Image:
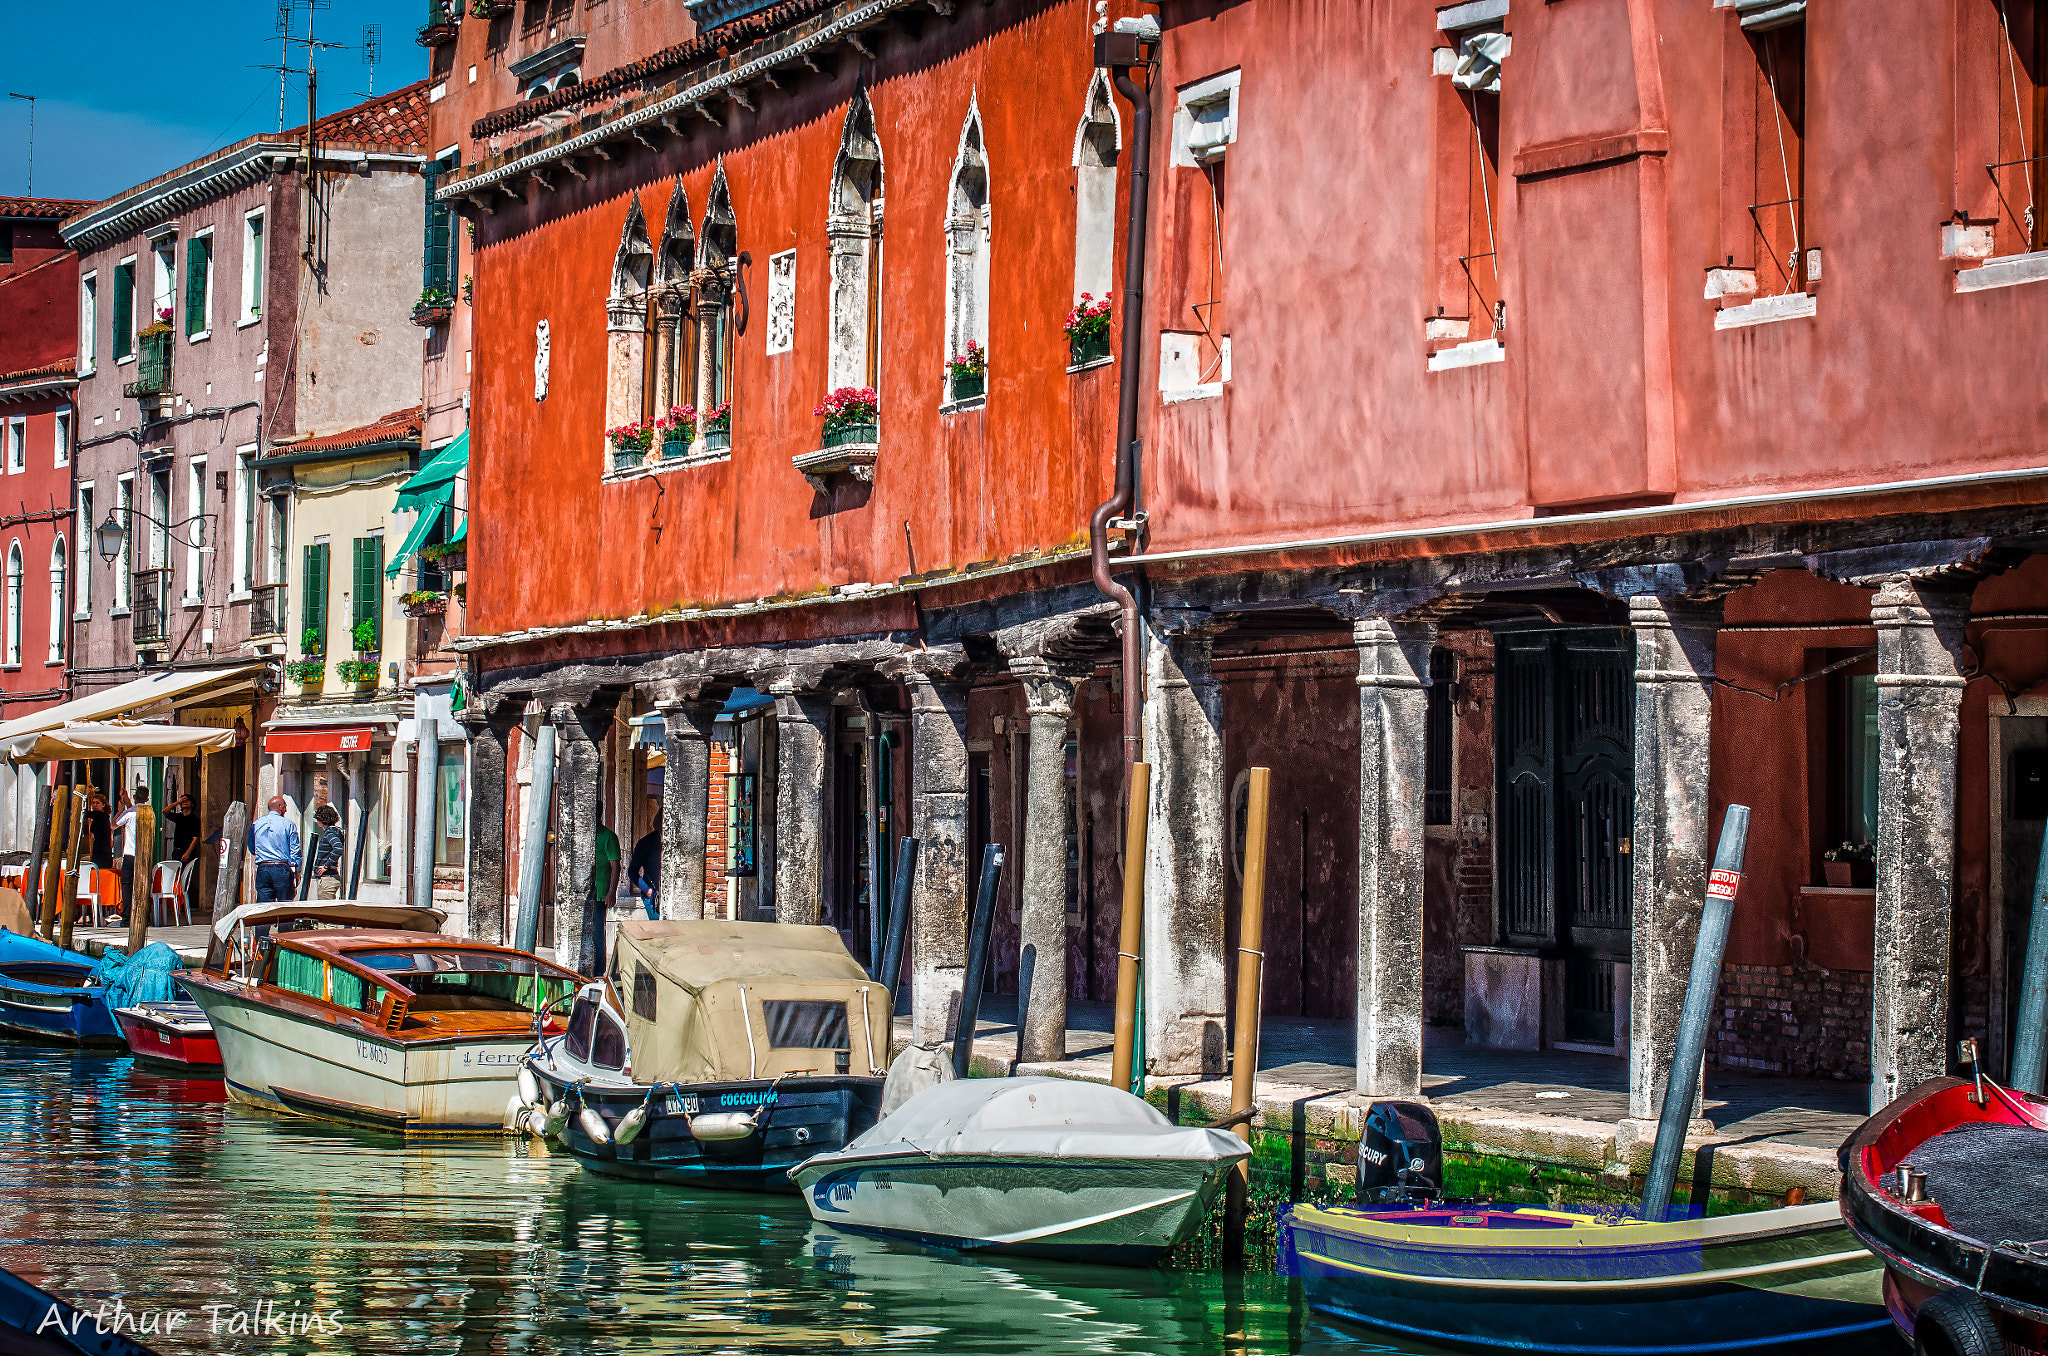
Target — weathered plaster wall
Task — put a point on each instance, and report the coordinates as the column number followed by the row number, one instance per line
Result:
column 357, row 357
column 1019, row 475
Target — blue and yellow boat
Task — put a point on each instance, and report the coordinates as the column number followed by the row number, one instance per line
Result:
column 50, row 992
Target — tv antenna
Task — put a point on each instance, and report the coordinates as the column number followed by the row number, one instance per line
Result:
column 373, row 52
column 30, row 99
column 285, row 14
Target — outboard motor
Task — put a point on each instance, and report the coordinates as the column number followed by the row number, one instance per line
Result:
column 1400, row 1155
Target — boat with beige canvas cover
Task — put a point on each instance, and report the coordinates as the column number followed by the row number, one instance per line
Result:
column 715, row 1054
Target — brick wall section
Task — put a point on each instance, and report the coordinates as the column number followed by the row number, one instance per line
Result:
column 1798, row 1020
column 714, row 836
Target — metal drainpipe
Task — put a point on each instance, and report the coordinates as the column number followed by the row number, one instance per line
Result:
column 1120, row 52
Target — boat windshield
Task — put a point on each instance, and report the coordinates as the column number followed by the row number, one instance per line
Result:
column 471, row 980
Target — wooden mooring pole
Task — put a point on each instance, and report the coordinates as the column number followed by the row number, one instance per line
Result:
column 1131, row 932
column 1251, row 971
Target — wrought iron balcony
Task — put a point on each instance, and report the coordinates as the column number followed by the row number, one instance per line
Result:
column 152, row 367
column 151, row 606
column 267, row 610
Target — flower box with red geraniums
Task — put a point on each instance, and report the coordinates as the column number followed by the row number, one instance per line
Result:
column 678, row 429
column 852, row 414
column 716, row 428
column 630, row 443
column 967, row 373
column 1087, row 330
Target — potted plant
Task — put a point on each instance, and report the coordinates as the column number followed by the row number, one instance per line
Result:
column 449, row 555
column 852, row 414
column 678, row 429
column 307, row 672
column 1087, row 329
column 630, row 443
column 1851, row 864
column 162, row 324
column 468, row 289
column 433, row 307
column 716, row 428
column 358, row 670
column 424, row 603
column 967, row 373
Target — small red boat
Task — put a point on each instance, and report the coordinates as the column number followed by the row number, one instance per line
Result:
column 1949, row 1187
column 171, row 1033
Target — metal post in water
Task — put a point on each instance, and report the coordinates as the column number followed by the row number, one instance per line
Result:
column 425, row 790
column 899, row 920
column 2030, row 1045
column 67, row 891
column 1251, row 970
column 1690, row 1052
column 533, row 846
column 1131, row 929
column 978, row 938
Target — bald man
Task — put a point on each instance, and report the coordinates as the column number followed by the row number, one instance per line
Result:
column 274, row 842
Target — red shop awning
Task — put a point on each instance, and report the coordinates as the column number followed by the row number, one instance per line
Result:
column 329, row 739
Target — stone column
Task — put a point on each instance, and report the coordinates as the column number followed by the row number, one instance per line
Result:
column 579, row 768
column 802, row 721
column 938, row 820
column 1049, row 706
column 1393, row 709
column 1184, row 856
column 1919, row 699
column 1672, row 840
column 484, row 881
column 685, row 805
column 711, row 290
column 626, row 360
column 668, row 321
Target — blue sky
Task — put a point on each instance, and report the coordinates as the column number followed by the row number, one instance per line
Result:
column 126, row 90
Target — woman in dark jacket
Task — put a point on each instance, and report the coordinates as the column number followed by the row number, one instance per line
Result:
column 328, row 850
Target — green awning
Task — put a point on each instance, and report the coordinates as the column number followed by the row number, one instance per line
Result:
column 428, row 494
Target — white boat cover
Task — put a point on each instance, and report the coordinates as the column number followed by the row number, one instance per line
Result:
column 1039, row 1118
column 340, row 913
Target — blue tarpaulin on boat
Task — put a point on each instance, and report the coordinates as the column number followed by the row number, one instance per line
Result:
column 143, row 978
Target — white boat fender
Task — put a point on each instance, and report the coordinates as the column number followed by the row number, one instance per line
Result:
column 723, row 1125
column 529, row 1088
column 557, row 1117
column 593, row 1124
column 634, row 1121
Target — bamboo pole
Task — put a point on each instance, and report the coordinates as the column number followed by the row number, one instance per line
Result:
column 1251, row 972
column 1131, row 934
column 67, row 901
column 145, row 862
column 53, row 862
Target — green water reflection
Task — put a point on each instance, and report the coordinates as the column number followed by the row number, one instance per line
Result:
column 116, row 1182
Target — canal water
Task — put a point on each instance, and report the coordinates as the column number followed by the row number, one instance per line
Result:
column 116, row 1183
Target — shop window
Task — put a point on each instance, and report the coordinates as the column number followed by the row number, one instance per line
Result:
column 377, row 816
column 450, row 802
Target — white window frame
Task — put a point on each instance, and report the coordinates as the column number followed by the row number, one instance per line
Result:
column 88, row 322
column 82, row 518
column 1195, row 105
column 241, row 496
column 212, row 272
column 60, row 435
column 253, row 225
column 17, row 597
column 60, row 566
column 17, row 445
column 163, row 276
column 195, row 564
column 129, row 264
column 124, row 564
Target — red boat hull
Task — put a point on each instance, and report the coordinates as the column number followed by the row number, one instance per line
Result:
column 166, row 1044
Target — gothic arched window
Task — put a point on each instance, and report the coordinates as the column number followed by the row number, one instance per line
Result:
column 626, row 323
column 967, row 245
column 59, row 564
column 674, row 365
column 713, row 282
column 14, row 603
column 853, row 229
column 1096, row 142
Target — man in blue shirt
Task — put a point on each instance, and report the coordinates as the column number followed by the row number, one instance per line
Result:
column 274, row 842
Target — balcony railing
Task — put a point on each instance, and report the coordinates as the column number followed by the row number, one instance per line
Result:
column 151, row 606
column 152, row 367
column 267, row 610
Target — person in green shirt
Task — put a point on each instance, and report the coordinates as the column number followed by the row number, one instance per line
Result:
column 597, row 890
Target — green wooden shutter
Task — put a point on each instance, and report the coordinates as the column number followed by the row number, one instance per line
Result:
column 367, row 596
column 314, row 608
column 198, row 259
column 124, row 310
column 438, row 269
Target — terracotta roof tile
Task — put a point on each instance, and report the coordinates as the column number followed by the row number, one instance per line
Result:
column 396, row 121
column 32, row 375
column 398, row 426
column 54, row 209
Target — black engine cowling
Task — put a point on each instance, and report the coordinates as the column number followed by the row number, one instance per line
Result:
column 1400, row 1155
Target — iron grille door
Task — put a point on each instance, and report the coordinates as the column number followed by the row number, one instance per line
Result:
column 1525, row 731
column 1597, row 819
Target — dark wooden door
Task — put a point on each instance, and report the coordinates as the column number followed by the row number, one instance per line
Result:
column 1565, row 732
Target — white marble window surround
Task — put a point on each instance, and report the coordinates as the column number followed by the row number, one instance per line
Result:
column 1788, row 306
column 1181, row 370
column 1205, row 119
column 1473, row 353
column 2008, row 271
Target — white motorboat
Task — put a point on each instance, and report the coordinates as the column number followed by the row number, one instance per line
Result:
column 1047, row 1167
